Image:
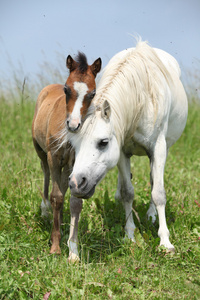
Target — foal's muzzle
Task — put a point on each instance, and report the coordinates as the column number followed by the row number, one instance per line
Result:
column 73, row 126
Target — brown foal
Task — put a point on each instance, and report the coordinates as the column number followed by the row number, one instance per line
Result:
column 61, row 109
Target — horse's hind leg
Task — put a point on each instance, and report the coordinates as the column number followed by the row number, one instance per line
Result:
column 125, row 193
column 158, row 159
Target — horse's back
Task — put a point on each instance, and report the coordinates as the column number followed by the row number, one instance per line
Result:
column 166, row 107
column 178, row 104
column 169, row 61
column 50, row 108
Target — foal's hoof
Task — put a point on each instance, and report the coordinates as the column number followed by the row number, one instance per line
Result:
column 55, row 249
column 73, row 258
column 46, row 210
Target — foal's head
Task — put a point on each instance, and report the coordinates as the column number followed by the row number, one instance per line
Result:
column 80, row 89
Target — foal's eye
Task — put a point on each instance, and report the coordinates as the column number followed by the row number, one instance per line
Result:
column 103, row 143
column 67, row 92
column 91, row 95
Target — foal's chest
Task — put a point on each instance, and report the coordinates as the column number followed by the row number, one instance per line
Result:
column 67, row 156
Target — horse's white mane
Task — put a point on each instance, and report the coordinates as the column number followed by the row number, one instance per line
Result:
column 131, row 79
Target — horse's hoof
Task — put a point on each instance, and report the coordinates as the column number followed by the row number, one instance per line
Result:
column 170, row 250
column 73, row 258
column 55, row 249
column 167, row 250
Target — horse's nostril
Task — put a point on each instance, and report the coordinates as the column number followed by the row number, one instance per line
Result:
column 83, row 182
column 77, row 183
column 72, row 185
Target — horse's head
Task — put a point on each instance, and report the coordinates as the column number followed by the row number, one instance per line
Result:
column 80, row 89
column 97, row 151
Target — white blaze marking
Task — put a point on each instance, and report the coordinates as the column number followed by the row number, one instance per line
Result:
column 81, row 88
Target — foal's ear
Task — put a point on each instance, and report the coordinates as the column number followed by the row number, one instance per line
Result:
column 70, row 63
column 96, row 66
column 106, row 110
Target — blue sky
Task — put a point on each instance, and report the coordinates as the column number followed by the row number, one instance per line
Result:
column 34, row 31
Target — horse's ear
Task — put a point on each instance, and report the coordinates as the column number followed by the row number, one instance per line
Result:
column 96, row 66
column 106, row 110
column 70, row 63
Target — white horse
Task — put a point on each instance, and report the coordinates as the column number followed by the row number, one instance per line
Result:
column 140, row 109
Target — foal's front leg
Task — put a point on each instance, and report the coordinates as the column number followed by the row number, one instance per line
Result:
column 75, row 209
column 125, row 193
column 56, row 199
column 158, row 195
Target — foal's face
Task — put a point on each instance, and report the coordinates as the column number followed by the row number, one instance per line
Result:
column 80, row 89
column 80, row 92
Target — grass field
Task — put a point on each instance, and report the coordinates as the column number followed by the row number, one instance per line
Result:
column 110, row 267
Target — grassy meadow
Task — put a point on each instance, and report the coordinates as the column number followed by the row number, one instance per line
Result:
column 110, row 267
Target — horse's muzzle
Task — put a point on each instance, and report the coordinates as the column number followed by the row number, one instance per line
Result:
column 80, row 186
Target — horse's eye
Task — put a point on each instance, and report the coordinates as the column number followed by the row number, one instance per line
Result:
column 103, row 143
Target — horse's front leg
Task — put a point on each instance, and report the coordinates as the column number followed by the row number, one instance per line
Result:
column 158, row 196
column 152, row 212
column 125, row 193
column 75, row 209
column 56, row 199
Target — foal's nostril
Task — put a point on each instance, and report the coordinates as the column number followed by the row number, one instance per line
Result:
column 73, row 128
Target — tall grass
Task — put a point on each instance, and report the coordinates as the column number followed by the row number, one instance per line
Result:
column 110, row 267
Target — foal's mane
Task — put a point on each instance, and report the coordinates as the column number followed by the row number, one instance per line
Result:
column 81, row 59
